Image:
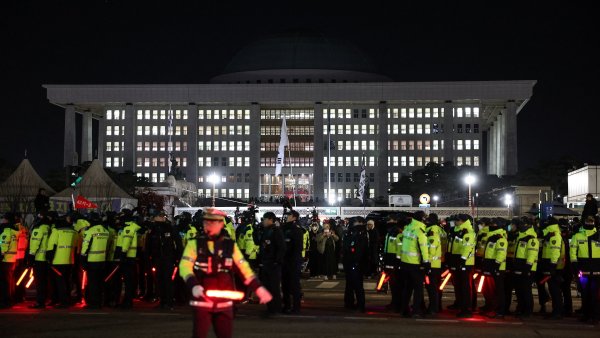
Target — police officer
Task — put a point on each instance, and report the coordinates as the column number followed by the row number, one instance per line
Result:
column 509, row 281
column 8, row 259
column 93, row 259
column 21, row 265
column 272, row 250
column 415, row 263
column 553, row 254
column 292, row 262
column 60, row 253
column 126, row 250
column 355, row 255
column 524, row 266
column 483, row 229
column 461, row 261
column 207, row 266
column 436, row 244
column 37, row 257
column 585, row 259
column 494, row 264
column 112, row 286
column 391, row 258
column 165, row 249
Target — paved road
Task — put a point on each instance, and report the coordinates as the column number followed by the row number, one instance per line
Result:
column 322, row 316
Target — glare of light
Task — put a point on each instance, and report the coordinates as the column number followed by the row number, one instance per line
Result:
column 436, row 198
column 213, row 178
column 508, row 199
column 470, row 179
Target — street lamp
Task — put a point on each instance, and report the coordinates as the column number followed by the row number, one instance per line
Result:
column 436, row 198
column 508, row 201
column 469, row 180
column 213, row 179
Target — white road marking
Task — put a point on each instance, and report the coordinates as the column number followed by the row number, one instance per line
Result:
column 327, row 285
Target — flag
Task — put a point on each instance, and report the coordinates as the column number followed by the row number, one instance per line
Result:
column 363, row 181
column 283, row 141
column 83, row 203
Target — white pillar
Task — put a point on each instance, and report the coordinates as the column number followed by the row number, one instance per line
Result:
column 86, row 137
column 101, row 134
column 381, row 180
column 491, row 149
column 319, row 153
column 70, row 154
column 511, row 138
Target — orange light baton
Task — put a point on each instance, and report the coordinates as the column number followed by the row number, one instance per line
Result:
column 480, row 287
column 544, row 280
column 225, row 294
column 445, row 273
column 111, row 274
column 381, row 281
column 174, row 273
column 83, row 280
column 445, row 281
column 475, row 276
column 29, row 282
column 22, row 276
column 426, row 280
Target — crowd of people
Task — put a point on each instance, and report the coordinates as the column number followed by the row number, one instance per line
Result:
column 111, row 259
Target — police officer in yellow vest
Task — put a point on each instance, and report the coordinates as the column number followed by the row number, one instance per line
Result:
column 80, row 224
column 60, row 253
column 21, row 265
column 524, row 266
column 126, row 250
column 8, row 259
column 436, row 241
column 482, row 229
column 585, row 260
column 37, row 257
column 391, row 260
column 461, row 260
column 493, row 266
column 415, row 262
column 93, row 259
column 553, row 256
column 207, row 266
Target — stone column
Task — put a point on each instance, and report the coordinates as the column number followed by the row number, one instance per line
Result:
column 70, row 153
column 492, row 150
column 319, row 152
column 86, row 136
column 499, row 151
column 511, row 138
column 192, row 147
column 254, row 153
column 101, row 142
column 381, row 181
column 129, row 149
column 448, row 136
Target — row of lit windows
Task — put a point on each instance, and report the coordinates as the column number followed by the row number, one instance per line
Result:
column 223, row 130
column 231, row 114
column 417, row 145
column 159, row 161
column 224, row 162
column 225, row 193
column 355, row 129
column 161, row 146
column 412, row 161
column 466, row 144
column 294, row 162
column 348, row 193
column 410, row 113
column 162, row 114
column 350, row 113
column 232, row 178
column 466, row 112
column 348, row 161
column 113, row 162
column 395, row 129
column 352, row 145
column 115, row 114
column 295, row 130
column 223, row 146
column 115, row 146
column 467, row 160
column 348, row 177
column 161, row 130
column 293, row 146
column 153, row 177
column 115, row 130
column 290, row 114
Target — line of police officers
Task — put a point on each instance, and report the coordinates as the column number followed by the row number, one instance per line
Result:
column 497, row 259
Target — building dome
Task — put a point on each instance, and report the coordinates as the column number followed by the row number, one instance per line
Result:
column 299, row 59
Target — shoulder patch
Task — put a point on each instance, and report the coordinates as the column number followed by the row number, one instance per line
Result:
column 35, row 233
column 431, row 241
column 553, row 241
column 501, row 244
column 127, row 231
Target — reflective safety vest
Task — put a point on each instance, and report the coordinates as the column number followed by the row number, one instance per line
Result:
column 305, row 243
column 62, row 242
column 414, row 244
column 389, row 250
column 482, row 236
column 434, row 244
column 462, row 245
column 526, row 253
column 230, row 230
column 553, row 250
column 189, row 235
column 128, row 239
column 495, row 251
column 95, row 244
column 80, row 226
column 250, row 248
column 39, row 242
column 112, row 244
column 8, row 245
column 22, row 241
column 585, row 251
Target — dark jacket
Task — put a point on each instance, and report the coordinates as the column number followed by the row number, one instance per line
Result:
column 589, row 209
column 294, row 237
column 355, row 248
column 164, row 241
column 272, row 246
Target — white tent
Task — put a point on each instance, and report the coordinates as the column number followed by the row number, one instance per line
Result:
column 20, row 188
column 97, row 187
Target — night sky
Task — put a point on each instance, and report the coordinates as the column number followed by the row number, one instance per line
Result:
column 159, row 42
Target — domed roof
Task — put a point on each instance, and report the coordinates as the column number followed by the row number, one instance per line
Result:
column 296, row 54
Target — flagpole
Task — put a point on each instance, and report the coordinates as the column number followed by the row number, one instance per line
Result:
column 328, row 197
column 293, row 178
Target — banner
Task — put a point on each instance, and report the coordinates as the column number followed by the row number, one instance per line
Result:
column 283, row 141
column 83, row 203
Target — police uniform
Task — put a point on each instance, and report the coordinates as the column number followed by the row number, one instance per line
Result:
column 415, row 254
column 165, row 248
column 585, row 258
column 553, row 260
column 37, row 257
column 461, row 261
column 60, row 252
column 493, row 266
column 524, row 267
column 126, row 250
column 355, row 246
column 292, row 262
column 436, row 238
column 210, row 263
column 93, row 259
column 8, row 259
column 392, row 263
column 272, row 249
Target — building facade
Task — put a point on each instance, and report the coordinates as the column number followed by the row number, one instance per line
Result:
column 336, row 119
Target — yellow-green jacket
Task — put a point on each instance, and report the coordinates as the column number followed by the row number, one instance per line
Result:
column 62, row 243
column 581, row 244
column 128, row 239
column 553, row 251
column 414, row 244
column 495, row 250
column 39, row 242
column 463, row 244
column 434, row 244
column 526, row 251
column 95, row 244
column 8, row 245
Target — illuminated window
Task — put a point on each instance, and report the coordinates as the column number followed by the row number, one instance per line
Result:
column 459, row 144
column 467, row 144
column 476, row 144
column 411, row 161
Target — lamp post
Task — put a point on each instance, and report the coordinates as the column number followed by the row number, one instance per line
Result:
column 213, row 179
column 508, row 201
column 436, row 198
column 469, row 180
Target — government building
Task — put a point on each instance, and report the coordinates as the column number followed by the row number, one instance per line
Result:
column 338, row 109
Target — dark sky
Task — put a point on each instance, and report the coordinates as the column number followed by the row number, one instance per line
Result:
column 163, row 42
